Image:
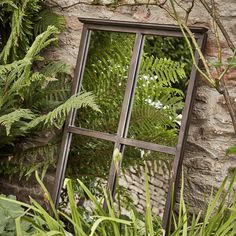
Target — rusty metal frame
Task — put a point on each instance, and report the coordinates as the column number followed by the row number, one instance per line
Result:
column 120, row 139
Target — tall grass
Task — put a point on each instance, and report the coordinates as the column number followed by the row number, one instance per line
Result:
column 219, row 218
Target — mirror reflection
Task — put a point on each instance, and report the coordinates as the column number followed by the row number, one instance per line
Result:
column 156, row 116
column 89, row 161
column 105, row 75
column 160, row 92
column 132, row 179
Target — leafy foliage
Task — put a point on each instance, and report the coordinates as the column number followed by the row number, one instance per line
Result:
column 11, row 118
column 173, row 48
column 17, row 22
column 9, row 212
column 17, row 79
column 101, row 222
column 218, row 218
column 34, row 93
column 231, row 150
column 46, row 18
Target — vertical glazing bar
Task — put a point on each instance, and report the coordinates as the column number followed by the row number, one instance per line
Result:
column 177, row 166
column 126, row 106
column 67, row 136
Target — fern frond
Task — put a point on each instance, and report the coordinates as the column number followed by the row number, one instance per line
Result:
column 57, row 116
column 18, row 75
column 167, row 71
column 42, row 41
column 152, row 125
column 27, row 161
column 47, row 18
column 53, row 68
column 21, row 26
column 8, row 3
column 9, row 119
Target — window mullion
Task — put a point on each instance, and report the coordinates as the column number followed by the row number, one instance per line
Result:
column 127, row 104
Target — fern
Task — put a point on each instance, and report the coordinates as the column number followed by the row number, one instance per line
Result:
column 9, row 119
column 42, row 41
column 54, row 68
column 18, row 75
column 21, row 28
column 32, row 94
column 57, row 116
column 47, row 17
column 105, row 75
column 27, row 19
column 25, row 162
column 8, row 2
column 166, row 70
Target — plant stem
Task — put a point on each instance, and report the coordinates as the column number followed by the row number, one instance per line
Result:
column 224, row 91
column 220, row 25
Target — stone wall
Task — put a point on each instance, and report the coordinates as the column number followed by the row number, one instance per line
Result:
column 133, row 182
column 211, row 131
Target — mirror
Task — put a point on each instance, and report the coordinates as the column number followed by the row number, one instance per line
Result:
column 156, row 112
column 140, row 81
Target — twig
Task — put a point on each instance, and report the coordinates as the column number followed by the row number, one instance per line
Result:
column 115, row 5
column 184, row 28
column 221, row 77
column 224, row 91
column 215, row 29
column 220, row 25
column 189, row 10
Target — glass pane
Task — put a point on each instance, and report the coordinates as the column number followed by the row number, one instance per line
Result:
column 132, row 180
column 106, row 72
column 89, row 161
column 161, row 89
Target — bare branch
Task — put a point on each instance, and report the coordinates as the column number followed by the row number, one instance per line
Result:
column 184, row 28
column 220, row 25
column 216, row 33
column 186, row 10
column 224, row 91
column 189, row 10
column 114, row 5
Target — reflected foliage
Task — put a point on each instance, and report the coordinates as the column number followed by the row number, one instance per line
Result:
column 172, row 48
column 105, row 75
column 90, row 160
column 159, row 98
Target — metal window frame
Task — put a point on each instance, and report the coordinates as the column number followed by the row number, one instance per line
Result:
column 120, row 139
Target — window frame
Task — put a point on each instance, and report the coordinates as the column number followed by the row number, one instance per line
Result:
column 120, row 139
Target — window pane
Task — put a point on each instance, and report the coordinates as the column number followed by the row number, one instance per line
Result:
column 132, row 180
column 106, row 72
column 161, row 89
column 89, row 161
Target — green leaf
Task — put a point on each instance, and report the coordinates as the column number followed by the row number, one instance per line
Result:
column 231, row 150
column 10, row 119
column 216, row 64
column 110, row 219
column 231, row 61
column 149, row 219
